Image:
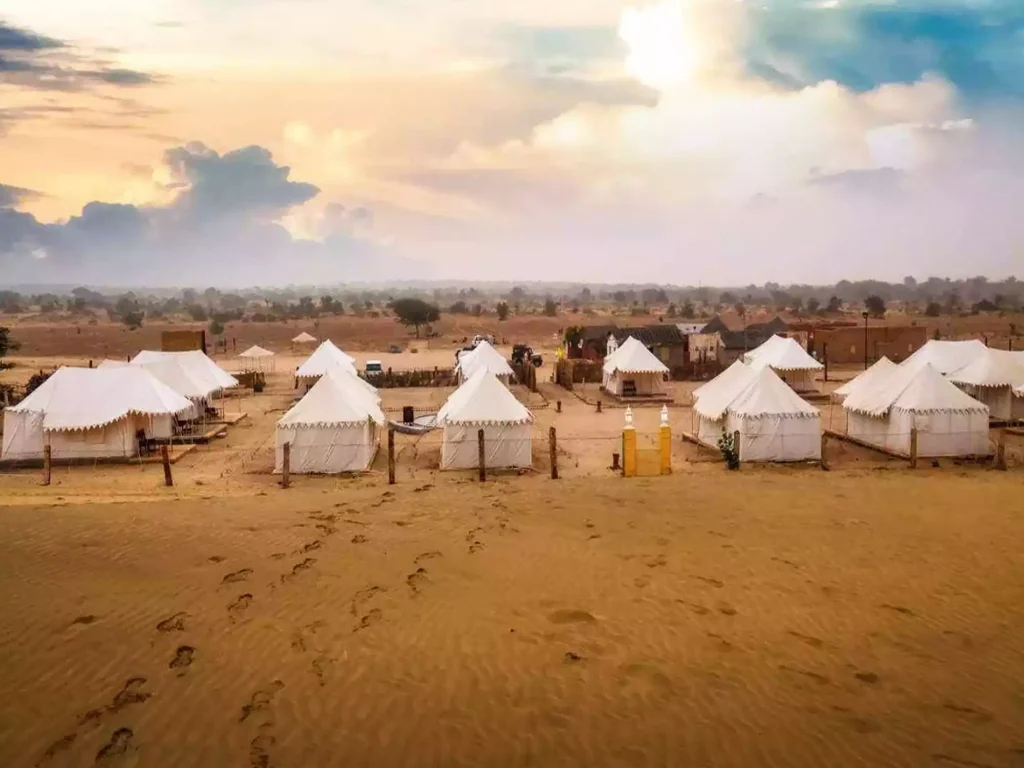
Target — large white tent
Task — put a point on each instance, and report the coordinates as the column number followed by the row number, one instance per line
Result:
column 324, row 358
column 84, row 413
column 256, row 358
column 948, row 421
column 633, row 370
column 991, row 379
column 196, row 362
column 738, row 370
column 875, row 373
column 188, row 381
column 483, row 402
column 775, row 423
column 487, row 358
column 333, row 428
column 946, row 356
column 787, row 358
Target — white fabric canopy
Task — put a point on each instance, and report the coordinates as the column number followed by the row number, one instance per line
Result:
column 323, row 359
column 633, row 357
column 112, row 364
column 256, row 352
column 304, row 338
column 919, row 388
column 90, row 413
column 865, row 379
column 992, row 368
column 946, row 356
column 775, row 424
column 197, row 363
column 483, row 402
column 484, row 357
column 782, row 354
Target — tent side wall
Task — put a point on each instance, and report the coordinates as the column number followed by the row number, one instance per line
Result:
column 1017, row 407
column 646, row 383
column 998, row 399
column 799, row 381
column 23, row 435
column 709, row 431
column 326, row 450
column 113, row 441
column 939, row 434
column 506, row 446
column 777, row 438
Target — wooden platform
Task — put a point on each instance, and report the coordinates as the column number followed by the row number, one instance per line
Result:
column 864, row 444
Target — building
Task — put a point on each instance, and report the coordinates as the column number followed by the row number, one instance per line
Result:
column 846, row 345
column 664, row 340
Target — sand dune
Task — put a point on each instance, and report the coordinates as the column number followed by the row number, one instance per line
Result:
column 767, row 620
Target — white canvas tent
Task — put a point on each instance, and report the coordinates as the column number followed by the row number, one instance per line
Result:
column 633, row 370
column 875, row 373
column 946, row 356
column 948, row 421
column 333, row 428
column 775, row 423
column 483, row 402
column 736, row 370
column 787, row 358
column 487, row 358
column 176, row 374
column 304, row 338
column 324, row 358
column 196, row 362
column 991, row 379
column 84, row 413
column 256, row 358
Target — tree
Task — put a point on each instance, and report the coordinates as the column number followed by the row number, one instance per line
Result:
column 458, row 308
column 415, row 313
column 327, row 304
column 797, row 305
column 984, row 306
column 502, row 310
column 835, row 305
column 478, row 310
column 197, row 312
column 216, row 327
column 133, row 319
column 550, row 308
column 727, row 298
column 671, row 311
column 813, row 305
column 5, row 341
column 934, row 309
column 875, row 305
column 306, row 307
column 740, row 308
column 687, row 310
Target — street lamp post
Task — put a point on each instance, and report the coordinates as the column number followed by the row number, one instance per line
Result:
column 864, row 314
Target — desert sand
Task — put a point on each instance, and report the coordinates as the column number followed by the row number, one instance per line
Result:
column 759, row 619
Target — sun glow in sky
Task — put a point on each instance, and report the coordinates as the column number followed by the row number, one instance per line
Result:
column 684, row 140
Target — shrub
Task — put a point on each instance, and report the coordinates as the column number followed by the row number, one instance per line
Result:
column 730, row 451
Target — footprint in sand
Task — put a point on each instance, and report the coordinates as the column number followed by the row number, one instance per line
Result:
column 175, row 623
column 722, row 643
column 182, row 658
column 260, row 699
column 312, row 546
column 475, row 547
column 216, row 559
column 417, row 580
column 298, row 568
column 237, row 576
column 897, row 609
column 819, row 679
column 118, row 746
column 359, row 539
column 239, row 606
column 322, row 668
column 867, row 677
column 302, row 634
column 810, row 640
column 326, row 530
column 60, row 745
column 426, row 556
column 85, row 620
column 641, row 581
column 716, row 583
column 657, row 562
column 259, row 748
column 371, row 618
column 130, row 693
column 279, row 556
column 726, row 610
column 362, row 596
column 697, row 608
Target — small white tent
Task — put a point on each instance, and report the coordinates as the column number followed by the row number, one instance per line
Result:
column 186, row 382
column 788, row 359
column 304, row 338
column 256, row 358
column 865, row 378
column 84, row 413
column 326, row 357
column 991, row 379
column 487, row 358
column 333, row 428
column 632, row 370
column 948, row 421
column 775, row 423
column 485, row 403
column 946, row 356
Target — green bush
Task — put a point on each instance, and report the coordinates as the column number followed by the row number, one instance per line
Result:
column 730, row 451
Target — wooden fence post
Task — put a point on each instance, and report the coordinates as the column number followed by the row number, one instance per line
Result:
column 46, row 464
column 391, row 456
column 736, row 445
column 598, row 406
column 553, row 447
column 824, row 446
column 913, row 448
column 558, row 406
column 165, row 454
column 480, row 452
column 1001, row 450
column 286, row 464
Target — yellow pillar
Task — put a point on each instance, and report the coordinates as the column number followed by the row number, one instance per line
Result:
column 629, row 446
column 629, row 452
column 665, row 445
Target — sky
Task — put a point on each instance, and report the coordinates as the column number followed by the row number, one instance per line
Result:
column 723, row 142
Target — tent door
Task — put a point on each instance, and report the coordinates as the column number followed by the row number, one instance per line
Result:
column 629, row 388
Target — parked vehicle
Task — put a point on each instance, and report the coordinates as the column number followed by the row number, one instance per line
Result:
column 522, row 353
column 374, row 366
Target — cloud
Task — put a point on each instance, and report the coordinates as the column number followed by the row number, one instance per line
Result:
column 219, row 226
column 31, row 60
column 11, row 196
